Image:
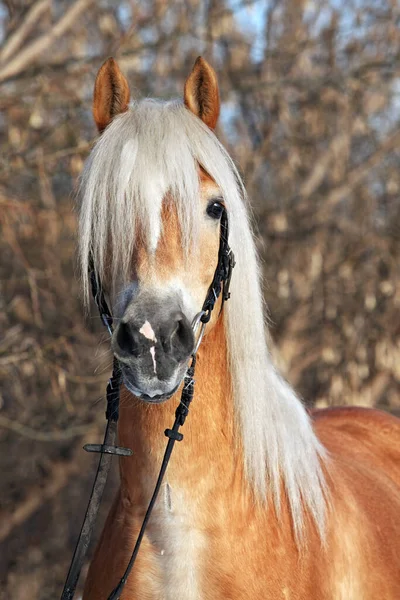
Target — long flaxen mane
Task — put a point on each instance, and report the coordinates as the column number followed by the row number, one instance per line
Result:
column 155, row 148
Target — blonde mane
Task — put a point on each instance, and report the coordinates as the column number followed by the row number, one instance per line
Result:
column 154, row 148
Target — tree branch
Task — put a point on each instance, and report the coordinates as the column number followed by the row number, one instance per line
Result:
column 12, row 44
column 29, row 54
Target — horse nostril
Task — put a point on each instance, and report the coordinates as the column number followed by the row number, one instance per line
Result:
column 180, row 338
column 183, row 333
column 126, row 339
column 166, row 343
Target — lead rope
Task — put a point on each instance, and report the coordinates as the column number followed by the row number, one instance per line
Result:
column 174, row 436
column 106, row 450
column 220, row 282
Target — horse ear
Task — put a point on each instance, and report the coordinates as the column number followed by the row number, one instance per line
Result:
column 111, row 94
column 201, row 94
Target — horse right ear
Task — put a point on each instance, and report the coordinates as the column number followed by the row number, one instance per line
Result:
column 111, row 94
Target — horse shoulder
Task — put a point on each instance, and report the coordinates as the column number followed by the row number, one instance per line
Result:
column 363, row 478
column 365, row 435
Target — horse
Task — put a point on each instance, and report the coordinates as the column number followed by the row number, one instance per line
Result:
column 262, row 498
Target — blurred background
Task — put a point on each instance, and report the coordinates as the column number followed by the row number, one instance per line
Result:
column 310, row 95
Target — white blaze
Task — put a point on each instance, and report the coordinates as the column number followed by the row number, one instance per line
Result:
column 153, row 356
column 147, row 330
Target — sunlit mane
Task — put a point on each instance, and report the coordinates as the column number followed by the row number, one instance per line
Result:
column 155, row 148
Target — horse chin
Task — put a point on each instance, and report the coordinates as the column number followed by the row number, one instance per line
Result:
column 151, row 397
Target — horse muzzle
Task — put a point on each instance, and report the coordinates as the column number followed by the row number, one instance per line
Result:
column 153, row 343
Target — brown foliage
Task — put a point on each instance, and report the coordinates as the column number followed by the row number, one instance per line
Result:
column 310, row 111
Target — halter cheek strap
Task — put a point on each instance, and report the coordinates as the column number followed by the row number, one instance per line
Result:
column 220, row 283
column 223, row 272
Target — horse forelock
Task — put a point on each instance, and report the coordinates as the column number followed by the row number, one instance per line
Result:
column 154, row 150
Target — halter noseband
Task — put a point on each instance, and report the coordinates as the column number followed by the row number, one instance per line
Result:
column 220, row 283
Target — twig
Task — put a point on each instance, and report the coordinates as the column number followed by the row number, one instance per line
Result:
column 35, row 299
column 59, row 476
column 81, row 148
column 27, row 56
column 43, row 436
column 46, row 192
column 12, row 44
column 10, row 359
column 356, row 175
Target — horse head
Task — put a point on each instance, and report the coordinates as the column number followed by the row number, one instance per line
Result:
column 156, row 265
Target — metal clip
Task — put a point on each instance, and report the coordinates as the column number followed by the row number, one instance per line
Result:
column 195, row 325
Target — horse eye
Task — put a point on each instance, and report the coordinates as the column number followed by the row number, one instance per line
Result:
column 215, row 209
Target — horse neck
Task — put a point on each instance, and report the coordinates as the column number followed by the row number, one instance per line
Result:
column 207, row 458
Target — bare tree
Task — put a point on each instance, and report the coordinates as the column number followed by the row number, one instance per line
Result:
column 310, row 112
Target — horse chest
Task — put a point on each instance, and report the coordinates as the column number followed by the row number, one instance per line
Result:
column 178, row 546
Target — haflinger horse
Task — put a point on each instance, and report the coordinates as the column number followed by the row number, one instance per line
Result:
column 260, row 499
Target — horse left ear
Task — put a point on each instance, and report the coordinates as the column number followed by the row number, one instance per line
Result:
column 111, row 94
column 201, row 94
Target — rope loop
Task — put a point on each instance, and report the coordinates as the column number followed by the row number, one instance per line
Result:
column 112, row 393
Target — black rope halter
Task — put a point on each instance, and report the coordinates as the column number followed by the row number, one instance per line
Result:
column 220, row 283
